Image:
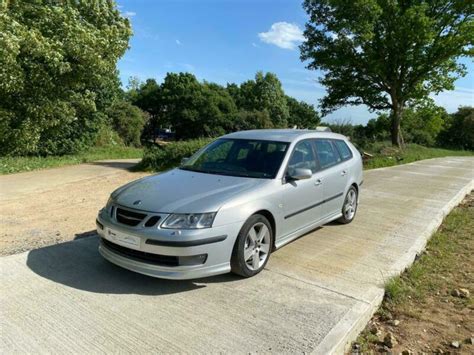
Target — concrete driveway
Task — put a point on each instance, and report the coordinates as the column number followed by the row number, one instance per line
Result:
column 315, row 295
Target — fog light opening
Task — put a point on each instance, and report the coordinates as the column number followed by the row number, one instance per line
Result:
column 192, row 260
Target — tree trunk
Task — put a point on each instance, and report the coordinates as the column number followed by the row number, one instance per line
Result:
column 396, row 119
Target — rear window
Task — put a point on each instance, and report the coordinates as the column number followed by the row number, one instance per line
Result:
column 343, row 149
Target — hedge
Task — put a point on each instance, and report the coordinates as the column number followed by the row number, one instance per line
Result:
column 169, row 155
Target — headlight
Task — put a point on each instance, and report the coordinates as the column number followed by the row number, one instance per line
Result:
column 189, row 221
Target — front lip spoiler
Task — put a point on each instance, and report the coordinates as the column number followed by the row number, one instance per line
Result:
column 187, row 243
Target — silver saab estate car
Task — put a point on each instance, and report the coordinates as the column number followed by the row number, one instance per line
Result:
column 231, row 204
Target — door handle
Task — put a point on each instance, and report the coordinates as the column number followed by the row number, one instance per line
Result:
column 318, row 182
column 344, row 172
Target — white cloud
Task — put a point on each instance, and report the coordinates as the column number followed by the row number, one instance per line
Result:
column 128, row 14
column 282, row 34
column 254, row 45
column 178, row 42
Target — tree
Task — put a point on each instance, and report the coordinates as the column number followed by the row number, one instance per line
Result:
column 263, row 93
column 386, row 53
column 57, row 72
column 421, row 124
column 147, row 96
column 301, row 114
column 194, row 109
column 245, row 120
column 128, row 121
column 458, row 131
column 269, row 95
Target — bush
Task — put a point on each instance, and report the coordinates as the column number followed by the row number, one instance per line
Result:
column 108, row 137
column 128, row 121
column 170, row 154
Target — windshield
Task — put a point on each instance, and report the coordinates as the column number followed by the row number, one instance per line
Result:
column 239, row 157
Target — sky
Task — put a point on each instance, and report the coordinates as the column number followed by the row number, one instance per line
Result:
column 227, row 41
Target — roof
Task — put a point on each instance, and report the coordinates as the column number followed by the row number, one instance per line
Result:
column 282, row 135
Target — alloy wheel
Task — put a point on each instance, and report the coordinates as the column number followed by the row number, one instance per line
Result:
column 257, row 246
column 350, row 204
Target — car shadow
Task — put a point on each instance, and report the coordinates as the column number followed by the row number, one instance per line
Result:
column 91, row 233
column 79, row 265
column 116, row 164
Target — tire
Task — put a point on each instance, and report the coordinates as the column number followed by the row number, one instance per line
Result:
column 253, row 247
column 349, row 207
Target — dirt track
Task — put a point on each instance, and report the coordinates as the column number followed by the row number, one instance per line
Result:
column 58, row 211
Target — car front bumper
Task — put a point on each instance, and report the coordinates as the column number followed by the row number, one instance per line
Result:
column 188, row 254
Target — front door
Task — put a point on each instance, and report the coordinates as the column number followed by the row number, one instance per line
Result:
column 300, row 198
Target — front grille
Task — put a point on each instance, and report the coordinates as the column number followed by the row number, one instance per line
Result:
column 152, row 221
column 129, row 218
column 163, row 260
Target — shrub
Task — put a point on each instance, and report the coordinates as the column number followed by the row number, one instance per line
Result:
column 108, row 137
column 128, row 121
column 170, row 154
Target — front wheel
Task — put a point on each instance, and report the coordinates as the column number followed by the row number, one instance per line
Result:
column 253, row 246
column 349, row 207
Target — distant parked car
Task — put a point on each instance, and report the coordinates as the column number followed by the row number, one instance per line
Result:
column 231, row 204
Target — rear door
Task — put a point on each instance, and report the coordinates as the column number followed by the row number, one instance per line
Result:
column 333, row 175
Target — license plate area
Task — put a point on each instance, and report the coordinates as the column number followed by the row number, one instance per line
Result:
column 123, row 239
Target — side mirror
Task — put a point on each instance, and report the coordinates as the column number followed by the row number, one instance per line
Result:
column 184, row 160
column 300, row 174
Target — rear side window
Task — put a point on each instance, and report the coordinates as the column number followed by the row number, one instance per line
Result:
column 326, row 152
column 343, row 149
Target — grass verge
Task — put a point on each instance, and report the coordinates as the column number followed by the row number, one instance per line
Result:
column 385, row 155
column 430, row 308
column 10, row 165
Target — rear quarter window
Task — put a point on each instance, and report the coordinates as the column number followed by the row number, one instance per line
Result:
column 343, row 149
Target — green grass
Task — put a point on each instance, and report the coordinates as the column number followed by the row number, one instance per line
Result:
column 385, row 155
column 10, row 165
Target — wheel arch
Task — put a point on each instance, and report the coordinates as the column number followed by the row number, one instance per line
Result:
column 268, row 215
column 356, row 187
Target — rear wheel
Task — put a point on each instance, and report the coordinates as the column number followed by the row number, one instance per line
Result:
column 253, row 246
column 349, row 207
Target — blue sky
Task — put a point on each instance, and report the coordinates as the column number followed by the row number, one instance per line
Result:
column 230, row 40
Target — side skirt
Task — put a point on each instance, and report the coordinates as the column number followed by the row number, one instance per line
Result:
column 298, row 233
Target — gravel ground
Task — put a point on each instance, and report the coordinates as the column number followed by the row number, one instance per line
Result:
column 41, row 218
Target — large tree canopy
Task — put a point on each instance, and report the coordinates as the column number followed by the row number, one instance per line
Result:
column 386, row 53
column 301, row 114
column 57, row 72
column 202, row 109
column 265, row 93
column 194, row 109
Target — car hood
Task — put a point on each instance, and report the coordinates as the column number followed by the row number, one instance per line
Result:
column 181, row 191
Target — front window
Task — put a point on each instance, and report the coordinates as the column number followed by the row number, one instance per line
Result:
column 239, row 157
column 302, row 157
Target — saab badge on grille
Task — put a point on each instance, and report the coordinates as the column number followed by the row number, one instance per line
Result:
column 137, row 202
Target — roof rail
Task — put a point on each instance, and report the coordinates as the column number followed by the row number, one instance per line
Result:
column 323, row 129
